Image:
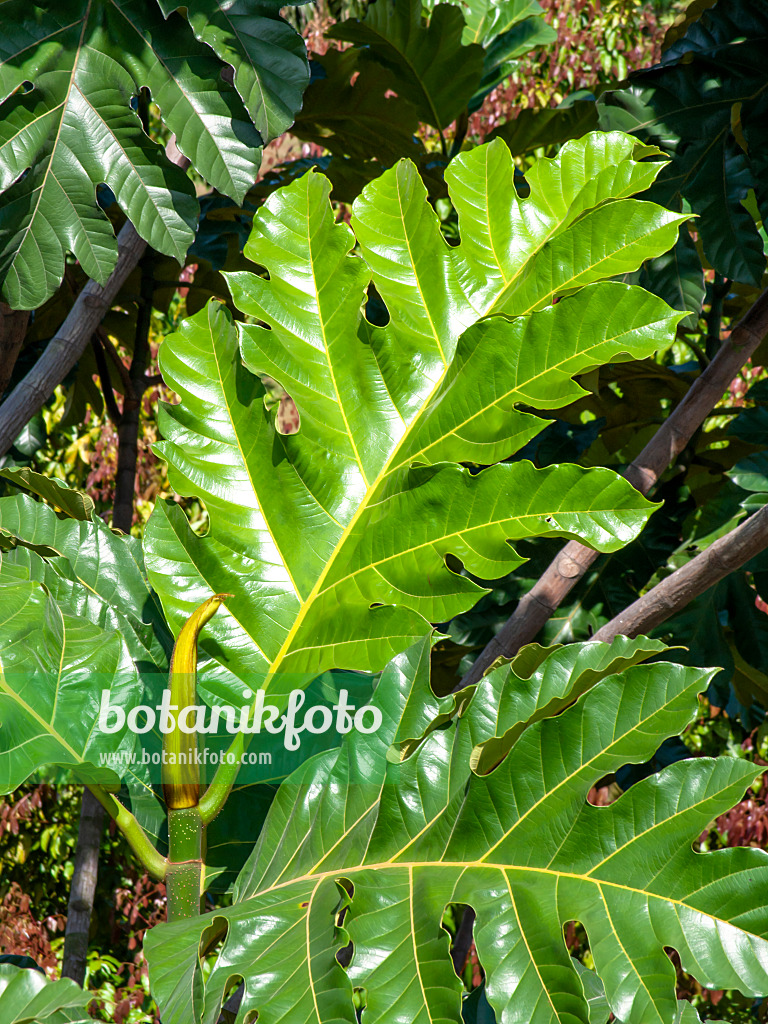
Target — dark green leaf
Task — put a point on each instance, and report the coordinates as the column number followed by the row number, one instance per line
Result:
column 430, row 66
column 267, row 55
column 677, row 277
column 533, row 129
column 76, row 504
column 706, row 98
column 357, row 120
column 76, row 126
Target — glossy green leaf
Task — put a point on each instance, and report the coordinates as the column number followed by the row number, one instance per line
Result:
column 335, row 541
column 519, row 694
column 92, row 572
column 430, row 66
column 268, row 56
column 77, row 504
column 600, row 1011
column 27, row 996
column 394, row 843
column 54, row 668
column 68, row 72
column 751, row 473
column 475, row 1008
column 95, row 580
column 487, row 20
column 597, row 1005
column 537, row 683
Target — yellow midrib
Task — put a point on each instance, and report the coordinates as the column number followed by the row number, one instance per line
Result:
column 467, row 866
column 64, row 104
column 551, row 368
column 371, row 493
column 390, row 465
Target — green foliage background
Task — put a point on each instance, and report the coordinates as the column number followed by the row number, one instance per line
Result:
column 721, row 477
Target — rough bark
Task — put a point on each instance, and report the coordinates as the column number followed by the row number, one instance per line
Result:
column 128, row 429
column 573, row 561
column 81, row 895
column 13, row 327
column 63, row 351
column 668, row 597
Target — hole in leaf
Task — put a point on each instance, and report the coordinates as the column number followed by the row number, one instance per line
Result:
column 605, row 792
column 287, row 418
column 522, row 187
column 376, row 312
column 233, row 993
column 359, row 999
column 212, row 941
column 345, row 954
column 575, row 936
column 454, row 564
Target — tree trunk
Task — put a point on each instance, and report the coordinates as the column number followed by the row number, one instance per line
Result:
column 128, row 429
column 13, row 327
column 724, row 556
column 63, row 351
column 83, row 891
column 573, row 561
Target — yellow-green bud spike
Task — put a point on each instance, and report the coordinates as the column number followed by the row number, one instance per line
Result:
column 181, row 778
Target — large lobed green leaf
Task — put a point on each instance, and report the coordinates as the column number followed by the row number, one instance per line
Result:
column 335, row 541
column 77, row 616
column 68, row 73
column 706, row 104
column 430, row 66
column 410, row 62
column 54, row 668
column 92, row 571
column 390, row 844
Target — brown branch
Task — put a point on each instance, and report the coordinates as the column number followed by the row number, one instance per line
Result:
column 68, row 344
column 573, row 561
column 63, row 351
column 13, row 327
column 104, row 379
column 128, row 431
column 462, row 940
column 725, row 555
column 84, row 878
